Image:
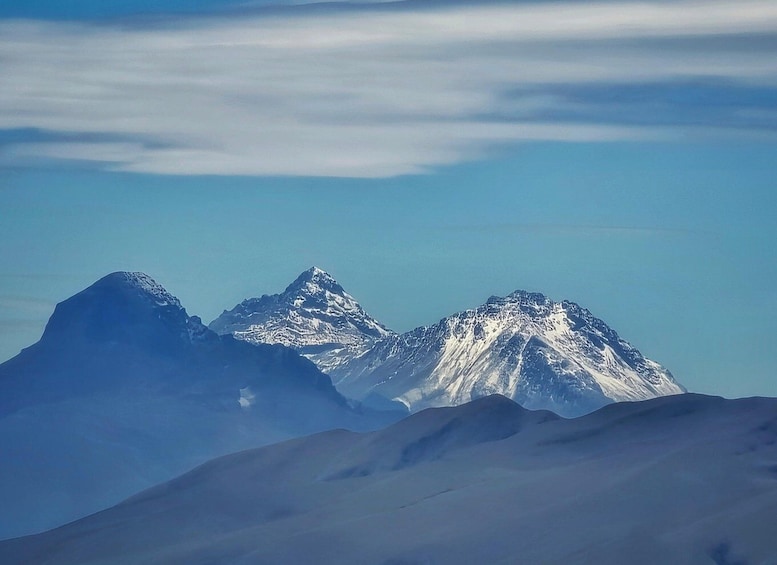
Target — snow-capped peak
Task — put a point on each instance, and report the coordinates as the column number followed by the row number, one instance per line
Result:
column 321, row 287
column 314, row 315
column 541, row 353
column 315, row 277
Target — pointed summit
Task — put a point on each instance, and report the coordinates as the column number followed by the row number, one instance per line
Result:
column 314, row 282
column 316, row 274
column 314, row 315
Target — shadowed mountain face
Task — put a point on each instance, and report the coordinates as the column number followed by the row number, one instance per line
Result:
column 543, row 354
column 680, row 479
column 125, row 390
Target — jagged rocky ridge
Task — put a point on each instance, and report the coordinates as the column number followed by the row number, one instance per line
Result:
column 541, row 353
column 145, row 392
column 314, row 315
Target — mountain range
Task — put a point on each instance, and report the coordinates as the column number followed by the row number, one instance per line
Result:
column 541, row 353
column 680, row 479
column 125, row 390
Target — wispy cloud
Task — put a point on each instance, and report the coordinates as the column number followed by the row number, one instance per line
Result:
column 366, row 91
column 575, row 230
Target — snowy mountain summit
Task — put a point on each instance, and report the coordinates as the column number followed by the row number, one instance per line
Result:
column 314, row 315
column 541, row 353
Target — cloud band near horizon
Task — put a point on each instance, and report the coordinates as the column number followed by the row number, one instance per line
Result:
column 365, row 92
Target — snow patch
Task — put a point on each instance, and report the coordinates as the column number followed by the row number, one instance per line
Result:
column 247, row 398
column 151, row 288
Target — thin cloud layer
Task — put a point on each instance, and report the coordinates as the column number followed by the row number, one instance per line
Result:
column 369, row 92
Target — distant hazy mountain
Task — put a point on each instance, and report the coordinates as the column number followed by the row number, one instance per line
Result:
column 125, row 390
column 314, row 315
column 541, row 353
column 684, row 479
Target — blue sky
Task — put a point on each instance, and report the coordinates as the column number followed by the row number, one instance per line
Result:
column 429, row 155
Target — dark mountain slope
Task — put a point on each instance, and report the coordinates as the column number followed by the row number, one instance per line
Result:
column 125, row 390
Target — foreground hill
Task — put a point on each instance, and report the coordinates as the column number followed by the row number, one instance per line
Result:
column 125, row 390
column 682, row 479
